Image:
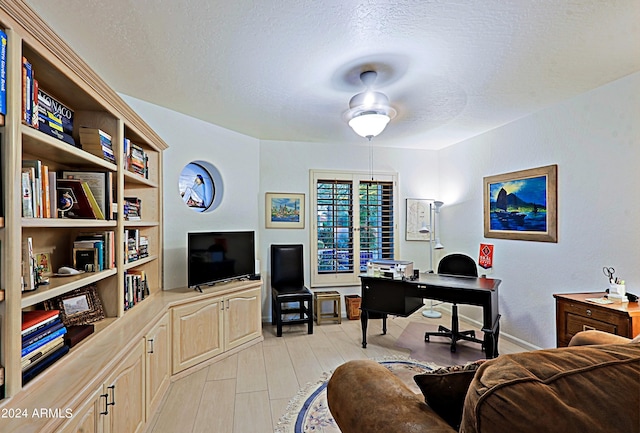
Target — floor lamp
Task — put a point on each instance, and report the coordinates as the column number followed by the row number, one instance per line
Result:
column 434, row 211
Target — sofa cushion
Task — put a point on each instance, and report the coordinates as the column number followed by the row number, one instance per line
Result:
column 444, row 389
column 585, row 389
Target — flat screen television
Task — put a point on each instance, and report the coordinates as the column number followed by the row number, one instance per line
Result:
column 220, row 256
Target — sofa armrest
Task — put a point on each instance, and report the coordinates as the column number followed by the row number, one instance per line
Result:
column 363, row 396
column 591, row 337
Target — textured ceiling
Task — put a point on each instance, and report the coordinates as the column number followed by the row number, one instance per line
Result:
column 286, row 69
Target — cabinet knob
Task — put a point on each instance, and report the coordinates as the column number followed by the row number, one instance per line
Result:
column 150, row 346
column 588, row 312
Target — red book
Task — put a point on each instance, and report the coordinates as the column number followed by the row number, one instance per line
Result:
column 32, row 319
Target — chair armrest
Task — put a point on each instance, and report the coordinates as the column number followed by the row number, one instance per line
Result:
column 591, row 337
column 363, row 396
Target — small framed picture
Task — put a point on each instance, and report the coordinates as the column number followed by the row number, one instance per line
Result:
column 78, row 307
column 284, row 210
column 43, row 261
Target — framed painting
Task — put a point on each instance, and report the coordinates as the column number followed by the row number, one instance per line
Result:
column 522, row 205
column 284, row 211
column 78, row 307
column 417, row 217
column 196, row 186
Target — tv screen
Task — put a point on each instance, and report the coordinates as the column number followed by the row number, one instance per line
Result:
column 220, row 256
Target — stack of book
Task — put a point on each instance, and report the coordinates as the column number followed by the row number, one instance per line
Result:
column 102, row 186
column 42, row 341
column 136, row 287
column 136, row 159
column 97, row 142
column 132, row 237
column 132, row 208
column 94, row 252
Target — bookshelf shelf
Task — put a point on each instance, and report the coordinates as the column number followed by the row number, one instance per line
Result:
column 64, row 76
column 60, row 285
column 130, row 177
column 38, row 143
column 140, row 262
column 67, row 223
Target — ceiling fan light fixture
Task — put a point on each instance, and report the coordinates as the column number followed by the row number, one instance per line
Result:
column 369, row 124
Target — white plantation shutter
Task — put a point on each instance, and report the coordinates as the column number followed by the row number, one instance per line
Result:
column 353, row 220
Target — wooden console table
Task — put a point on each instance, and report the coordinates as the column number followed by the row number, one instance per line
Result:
column 574, row 314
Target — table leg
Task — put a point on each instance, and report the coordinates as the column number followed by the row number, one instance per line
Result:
column 491, row 340
column 364, row 320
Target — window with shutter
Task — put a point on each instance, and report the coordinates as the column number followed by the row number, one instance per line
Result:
column 353, row 221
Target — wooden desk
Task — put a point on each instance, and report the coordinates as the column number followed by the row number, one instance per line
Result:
column 383, row 296
column 574, row 314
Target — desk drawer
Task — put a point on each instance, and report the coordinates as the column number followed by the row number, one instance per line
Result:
column 573, row 317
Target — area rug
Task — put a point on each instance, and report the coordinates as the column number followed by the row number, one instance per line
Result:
column 308, row 410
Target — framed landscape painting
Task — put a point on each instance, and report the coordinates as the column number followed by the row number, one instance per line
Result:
column 284, row 211
column 522, row 205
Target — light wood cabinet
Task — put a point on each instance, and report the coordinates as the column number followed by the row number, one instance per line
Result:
column 66, row 77
column 197, row 332
column 242, row 318
column 208, row 327
column 158, row 363
column 87, row 418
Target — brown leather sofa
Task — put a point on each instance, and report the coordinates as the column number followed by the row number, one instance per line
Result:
column 591, row 386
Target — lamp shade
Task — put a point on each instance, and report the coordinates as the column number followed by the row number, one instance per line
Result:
column 369, row 124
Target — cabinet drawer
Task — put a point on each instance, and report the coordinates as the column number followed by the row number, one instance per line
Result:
column 577, row 324
column 595, row 314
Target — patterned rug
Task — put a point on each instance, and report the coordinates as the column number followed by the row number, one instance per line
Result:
column 308, row 410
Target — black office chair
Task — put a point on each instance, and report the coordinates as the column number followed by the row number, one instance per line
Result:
column 287, row 286
column 461, row 265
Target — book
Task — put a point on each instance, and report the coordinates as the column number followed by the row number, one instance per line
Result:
column 55, row 118
column 3, row 76
column 28, row 265
column 27, row 91
column 53, row 194
column 31, row 320
column 40, row 354
column 39, row 334
column 36, row 192
column 92, row 201
column 101, row 187
column 76, row 333
column 42, row 365
column 72, row 193
column 27, row 192
column 32, row 347
column 94, row 136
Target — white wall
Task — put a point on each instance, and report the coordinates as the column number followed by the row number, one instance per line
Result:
column 236, row 157
column 595, row 140
column 284, row 167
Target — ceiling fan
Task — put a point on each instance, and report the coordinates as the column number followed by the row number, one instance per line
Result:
column 369, row 111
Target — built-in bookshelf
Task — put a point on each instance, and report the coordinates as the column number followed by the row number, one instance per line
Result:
column 62, row 76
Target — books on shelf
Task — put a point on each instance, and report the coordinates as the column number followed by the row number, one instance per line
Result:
column 97, row 142
column 28, row 265
column 102, row 188
column 37, row 200
column 136, row 159
column 54, row 118
column 136, row 247
column 136, row 287
column 42, row 341
column 76, row 199
column 132, row 208
column 94, row 249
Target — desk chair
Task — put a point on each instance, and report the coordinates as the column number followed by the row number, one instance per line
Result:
column 287, row 287
column 456, row 264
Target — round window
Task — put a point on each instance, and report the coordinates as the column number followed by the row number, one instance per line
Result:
column 197, row 188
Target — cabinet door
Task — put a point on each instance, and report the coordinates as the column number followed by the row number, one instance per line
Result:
column 126, row 394
column 158, row 368
column 87, row 418
column 197, row 332
column 242, row 317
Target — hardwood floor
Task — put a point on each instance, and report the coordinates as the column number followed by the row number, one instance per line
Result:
column 249, row 391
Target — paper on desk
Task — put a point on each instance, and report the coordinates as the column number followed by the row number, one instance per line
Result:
column 600, row 300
